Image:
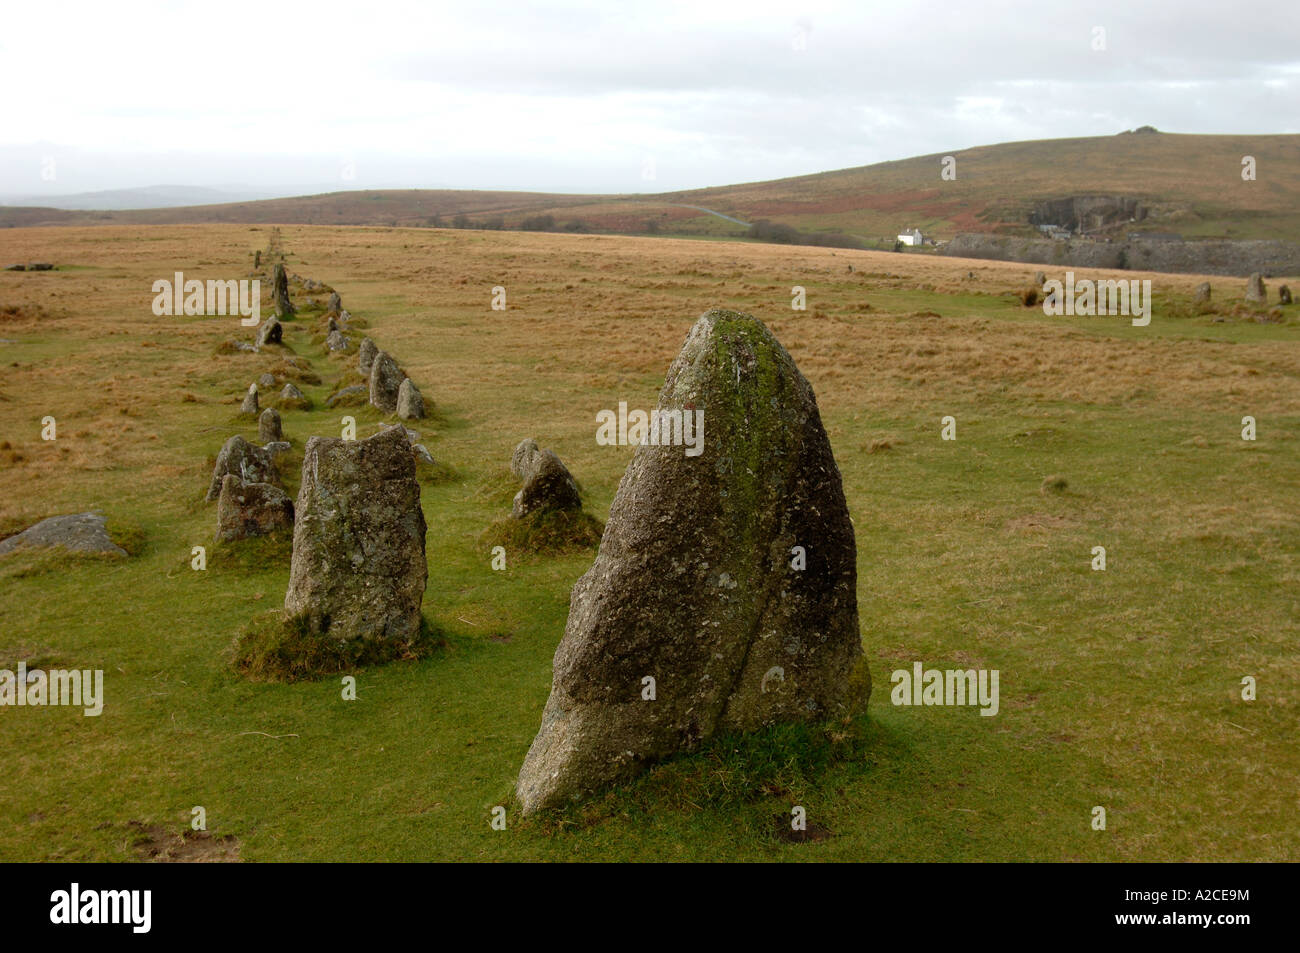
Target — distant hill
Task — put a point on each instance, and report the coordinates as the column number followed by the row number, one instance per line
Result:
column 1188, row 185
column 156, row 196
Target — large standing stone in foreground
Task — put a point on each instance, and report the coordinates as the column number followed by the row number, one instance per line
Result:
column 410, row 403
column 78, row 532
column 280, row 291
column 548, row 485
column 358, row 569
column 367, row 354
column 385, row 382
column 1255, row 288
column 250, row 509
column 251, row 464
column 696, row 585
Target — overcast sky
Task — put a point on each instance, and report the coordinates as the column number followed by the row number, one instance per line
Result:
column 604, row 96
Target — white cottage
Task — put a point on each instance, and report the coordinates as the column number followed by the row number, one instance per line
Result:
column 910, row 237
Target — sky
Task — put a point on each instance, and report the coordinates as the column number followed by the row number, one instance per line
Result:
column 289, row 98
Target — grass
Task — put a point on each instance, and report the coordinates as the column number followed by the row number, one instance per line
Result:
column 1118, row 688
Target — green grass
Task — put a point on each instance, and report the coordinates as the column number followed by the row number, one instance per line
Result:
column 1118, row 688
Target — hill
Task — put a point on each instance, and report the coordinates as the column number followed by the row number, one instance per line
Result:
column 1147, row 181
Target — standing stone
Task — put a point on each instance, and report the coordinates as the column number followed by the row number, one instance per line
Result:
column 344, row 316
column 336, row 341
column 257, row 259
column 250, row 509
column 385, row 382
column 280, row 291
column 368, row 351
column 1202, row 293
column 410, row 404
column 1039, row 279
column 1284, row 295
column 335, row 304
column 290, row 392
column 271, row 332
column 694, row 584
column 548, row 485
column 358, row 569
column 268, row 426
column 249, row 406
column 251, row 464
column 267, row 381
column 1255, row 291
column 524, row 459
column 332, row 326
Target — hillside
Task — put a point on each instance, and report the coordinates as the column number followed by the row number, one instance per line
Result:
column 1187, row 184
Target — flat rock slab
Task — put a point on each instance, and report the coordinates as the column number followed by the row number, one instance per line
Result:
column 77, row 532
column 695, row 584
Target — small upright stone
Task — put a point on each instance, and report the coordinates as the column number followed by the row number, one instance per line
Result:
column 336, row 341
column 548, row 485
column 271, row 332
column 250, row 509
column 359, row 569
column 280, row 292
column 1039, row 279
column 524, row 460
column 1202, row 293
column 1256, row 293
column 410, row 404
column 335, row 304
column 266, row 382
column 249, row 407
column 367, row 352
column 268, row 426
column 385, row 382
column 290, row 392
column 251, row 464
column 1284, row 295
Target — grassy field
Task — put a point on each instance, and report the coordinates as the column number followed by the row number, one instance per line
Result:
column 1119, row 689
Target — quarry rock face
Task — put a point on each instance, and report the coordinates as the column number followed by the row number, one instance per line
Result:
column 385, row 382
column 358, row 569
column 1255, row 288
column 251, row 464
column 250, row 509
column 268, row 426
column 77, row 532
column 367, row 353
column 410, row 404
column 280, row 291
column 271, row 332
column 548, row 485
column 698, row 585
